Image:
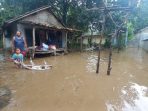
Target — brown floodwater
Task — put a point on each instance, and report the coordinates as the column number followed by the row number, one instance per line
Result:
column 73, row 85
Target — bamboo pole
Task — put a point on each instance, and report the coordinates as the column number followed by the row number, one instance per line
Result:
column 99, row 52
column 110, row 57
column 4, row 40
column 126, row 36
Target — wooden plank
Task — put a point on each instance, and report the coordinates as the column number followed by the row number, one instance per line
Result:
column 49, row 52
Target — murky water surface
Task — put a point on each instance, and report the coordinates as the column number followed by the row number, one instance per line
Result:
column 73, row 85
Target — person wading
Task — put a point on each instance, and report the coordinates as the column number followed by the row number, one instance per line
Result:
column 19, row 41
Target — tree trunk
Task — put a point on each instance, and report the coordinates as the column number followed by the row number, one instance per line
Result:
column 65, row 10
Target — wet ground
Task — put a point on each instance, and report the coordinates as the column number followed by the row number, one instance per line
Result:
column 73, row 85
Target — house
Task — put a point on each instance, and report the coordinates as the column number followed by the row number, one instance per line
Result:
column 95, row 39
column 88, row 40
column 140, row 40
column 144, row 39
column 37, row 26
column 144, row 44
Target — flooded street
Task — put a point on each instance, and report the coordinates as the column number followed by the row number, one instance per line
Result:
column 73, row 85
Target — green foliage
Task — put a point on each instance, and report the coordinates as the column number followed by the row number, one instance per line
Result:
column 107, row 43
column 121, row 41
column 73, row 46
column 1, row 43
column 8, row 10
column 139, row 16
column 73, row 13
column 130, row 31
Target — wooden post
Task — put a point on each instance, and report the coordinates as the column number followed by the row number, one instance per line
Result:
column 81, row 44
column 102, row 34
column 47, row 35
column 4, row 40
column 118, row 41
column 110, row 57
column 33, row 33
column 66, row 41
column 126, row 37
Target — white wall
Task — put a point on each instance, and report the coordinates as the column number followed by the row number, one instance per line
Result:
column 144, row 45
column 94, row 40
column 143, row 36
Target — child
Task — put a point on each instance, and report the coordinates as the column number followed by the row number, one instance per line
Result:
column 17, row 57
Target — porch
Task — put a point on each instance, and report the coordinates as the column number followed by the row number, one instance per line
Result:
column 38, row 34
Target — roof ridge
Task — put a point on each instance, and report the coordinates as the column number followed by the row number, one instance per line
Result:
column 26, row 14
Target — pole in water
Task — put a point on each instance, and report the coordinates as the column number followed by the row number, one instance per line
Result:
column 109, row 63
column 110, row 58
column 98, row 63
column 102, row 35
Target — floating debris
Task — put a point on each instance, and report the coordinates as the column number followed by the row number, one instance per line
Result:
column 32, row 66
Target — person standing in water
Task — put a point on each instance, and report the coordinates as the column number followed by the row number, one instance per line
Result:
column 17, row 56
column 19, row 41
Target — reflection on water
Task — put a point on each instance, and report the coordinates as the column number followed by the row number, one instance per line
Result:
column 91, row 63
column 1, row 57
column 133, row 98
